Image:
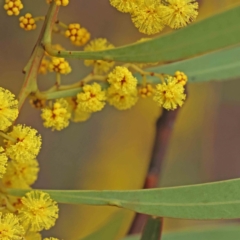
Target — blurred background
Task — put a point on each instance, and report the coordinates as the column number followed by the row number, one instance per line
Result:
column 113, row 148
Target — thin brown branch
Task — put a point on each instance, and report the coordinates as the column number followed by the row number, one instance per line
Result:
column 164, row 129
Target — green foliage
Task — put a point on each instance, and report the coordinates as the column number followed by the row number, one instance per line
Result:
column 220, row 233
column 216, row 32
column 218, row 200
column 220, row 65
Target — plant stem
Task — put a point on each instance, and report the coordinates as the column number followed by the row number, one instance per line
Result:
column 4, row 135
column 164, row 129
column 31, row 69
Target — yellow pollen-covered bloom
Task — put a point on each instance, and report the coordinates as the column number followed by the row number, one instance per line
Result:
column 125, row 5
column 38, row 212
column 170, row 94
column 59, row 65
column 179, row 13
column 181, row 77
column 3, row 162
column 122, row 79
column 78, row 36
column 77, row 115
column 27, row 22
column 56, row 116
column 21, row 174
column 146, row 91
column 13, row 7
column 147, row 17
column 43, row 68
column 25, row 145
column 120, row 99
column 8, row 108
column 92, row 99
column 10, row 229
column 100, row 66
column 33, row 236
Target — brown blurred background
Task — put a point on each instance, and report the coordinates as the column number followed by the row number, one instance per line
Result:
column 113, row 148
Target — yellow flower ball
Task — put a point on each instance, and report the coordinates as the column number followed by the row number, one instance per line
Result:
column 120, row 99
column 92, row 99
column 122, row 79
column 146, row 91
column 27, row 22
column 13, row 7
column 179, row 13
column 21, row 174
column 147, row 17
column 38, row 212
column 8, row 108
column 78, row 36
column 170, row 94
column 59, row 65
column 25, row 144
column 181, row 77
column 57, row 116
column 10, row 228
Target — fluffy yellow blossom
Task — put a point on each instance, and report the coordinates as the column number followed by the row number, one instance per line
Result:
column 170, row 94
column 21, row 174
column 8, row 108
column 77, row 116
column 33, row 236
column 122, row 79
column 125, row 5
column 13, row 7
column 148, row 17
column 10, row 229
column 43, row 68
column 27, row 22
column 78, row 36
column 59, row 65
column 146, row 91
column 181, row 77
column 92, row 99
column 25, row 145
column 3, row 162
column 57, row 116
column 100, row 66
column 120, row 99
column 38, row 212
column 179, row 13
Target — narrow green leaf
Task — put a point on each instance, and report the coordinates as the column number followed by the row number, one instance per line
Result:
column 216, row 32
column 218, row 200
column 152, row 230
column 220, row 65
column 221, row 233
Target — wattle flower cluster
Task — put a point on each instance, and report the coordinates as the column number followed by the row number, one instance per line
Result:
column 151, row 16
